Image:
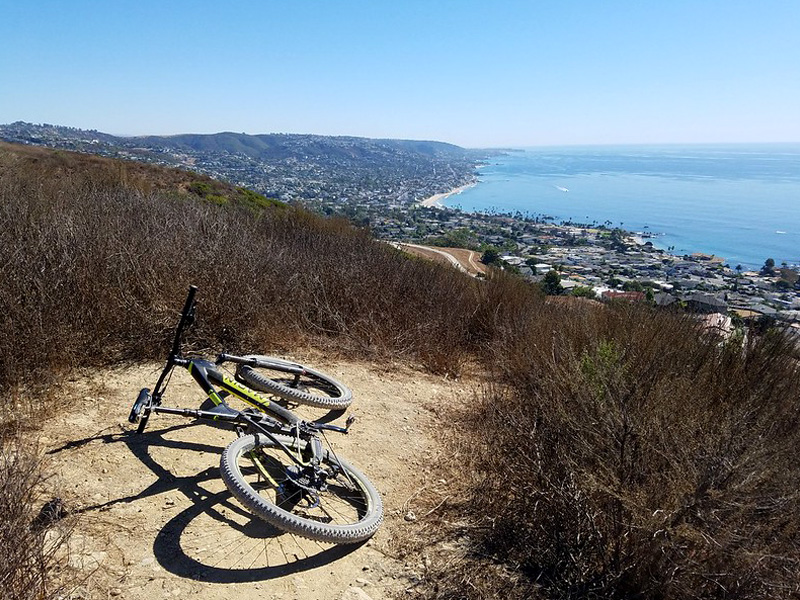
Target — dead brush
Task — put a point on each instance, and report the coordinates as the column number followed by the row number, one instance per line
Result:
column 621, row 454
column 92, row 268
column 29, row 542
column 630, row 455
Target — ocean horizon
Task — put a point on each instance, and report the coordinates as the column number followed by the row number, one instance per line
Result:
column 737, row 201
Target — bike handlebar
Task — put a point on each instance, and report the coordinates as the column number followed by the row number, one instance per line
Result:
column 187, row 314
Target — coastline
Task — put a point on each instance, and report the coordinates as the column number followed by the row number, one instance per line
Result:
column 690, row 199
column 436, row 199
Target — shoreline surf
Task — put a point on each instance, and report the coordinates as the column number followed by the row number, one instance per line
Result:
column 437, row 200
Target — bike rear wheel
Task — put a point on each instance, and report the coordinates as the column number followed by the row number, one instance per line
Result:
column 310, row 387
column 346, row 509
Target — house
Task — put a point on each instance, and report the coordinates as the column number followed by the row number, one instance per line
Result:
column 763, row 309
column 512, row 260
column 706, row 303
column 663, row 299
column 718, row 323
column 667, row 287
column 569, row 284
column 711, row 258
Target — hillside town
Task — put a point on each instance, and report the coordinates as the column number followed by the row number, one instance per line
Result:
column 605, row 263
column 381, row 185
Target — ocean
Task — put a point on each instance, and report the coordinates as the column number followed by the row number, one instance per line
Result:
column 740, row 202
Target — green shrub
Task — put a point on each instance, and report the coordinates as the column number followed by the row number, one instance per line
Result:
column 551, row 284
column 200, row 188
column 583, row 291
column 256, row 201
column 217, row 199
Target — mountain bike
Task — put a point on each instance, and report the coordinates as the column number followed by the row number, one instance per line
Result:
column 278, row 467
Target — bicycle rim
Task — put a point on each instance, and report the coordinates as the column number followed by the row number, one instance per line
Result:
column 346, row 509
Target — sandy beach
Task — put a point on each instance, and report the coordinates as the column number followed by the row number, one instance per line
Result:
column 436, row 199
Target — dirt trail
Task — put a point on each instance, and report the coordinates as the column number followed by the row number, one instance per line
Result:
column 155, row 520
column 467, row 261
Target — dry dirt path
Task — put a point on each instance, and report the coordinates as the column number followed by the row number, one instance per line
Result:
column 469, row 259
column 154, row 520
column 466, row 261
column 429, row 252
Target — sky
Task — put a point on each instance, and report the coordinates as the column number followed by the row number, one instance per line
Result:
column 477, row 74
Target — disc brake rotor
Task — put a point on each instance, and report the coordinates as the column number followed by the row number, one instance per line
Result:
column 306, row 483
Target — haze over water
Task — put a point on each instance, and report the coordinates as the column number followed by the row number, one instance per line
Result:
column 740, row 202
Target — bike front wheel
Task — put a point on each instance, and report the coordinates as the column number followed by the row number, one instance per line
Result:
column 339, row 507
column 307, row 386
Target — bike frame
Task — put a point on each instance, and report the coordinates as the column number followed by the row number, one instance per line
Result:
column 207, row 375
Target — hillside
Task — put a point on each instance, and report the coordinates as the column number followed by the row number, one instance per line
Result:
column 338, row 171
column 610, row 451
column 68, row 168
column 297, row 146
column 276, row 146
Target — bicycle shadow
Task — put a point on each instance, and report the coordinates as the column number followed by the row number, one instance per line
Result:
column 213, row 517
column 174, row 556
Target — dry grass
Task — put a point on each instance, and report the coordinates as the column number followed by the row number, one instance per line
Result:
column 28, row 542
column 630, row 456
column 95, row 271
column 54, row 168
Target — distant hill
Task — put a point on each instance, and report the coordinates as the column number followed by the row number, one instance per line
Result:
column 281, row 146
column 272, row 145
column 326, row 169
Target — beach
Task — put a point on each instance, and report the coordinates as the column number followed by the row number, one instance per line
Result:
column 436, row 199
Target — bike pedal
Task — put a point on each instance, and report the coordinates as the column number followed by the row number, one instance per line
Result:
column 142, row 400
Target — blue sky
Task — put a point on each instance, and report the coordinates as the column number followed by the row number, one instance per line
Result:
column 505, row 73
